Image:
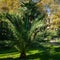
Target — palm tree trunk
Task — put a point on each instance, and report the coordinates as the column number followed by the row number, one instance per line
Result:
column 23, row 55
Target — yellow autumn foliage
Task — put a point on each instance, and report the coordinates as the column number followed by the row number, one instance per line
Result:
column 9, row 5
column 55, row 22
column 47, row 2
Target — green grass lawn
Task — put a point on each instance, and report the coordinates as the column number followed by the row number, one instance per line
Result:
column 37, row 54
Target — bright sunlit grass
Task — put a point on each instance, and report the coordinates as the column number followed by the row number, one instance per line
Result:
column 17, row 54
column 35, row 54
column 10, row 55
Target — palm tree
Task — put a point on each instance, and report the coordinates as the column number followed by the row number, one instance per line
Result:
column 25, row 27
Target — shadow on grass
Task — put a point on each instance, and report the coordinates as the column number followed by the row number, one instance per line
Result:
column 44, row 55
column 8, row 50
column 57, row 49
column 56, row 57
column 41, row 56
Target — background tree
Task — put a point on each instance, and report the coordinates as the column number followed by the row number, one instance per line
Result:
column 10, row 6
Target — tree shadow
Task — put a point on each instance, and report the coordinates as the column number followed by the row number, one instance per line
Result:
column 57, row 49
column 41, row 56
column 55, row 57
column 44, row 55
column 8, row 50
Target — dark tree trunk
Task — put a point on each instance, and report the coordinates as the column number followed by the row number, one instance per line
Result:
column 23, row 55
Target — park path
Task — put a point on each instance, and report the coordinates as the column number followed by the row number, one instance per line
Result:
column 53, row 42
